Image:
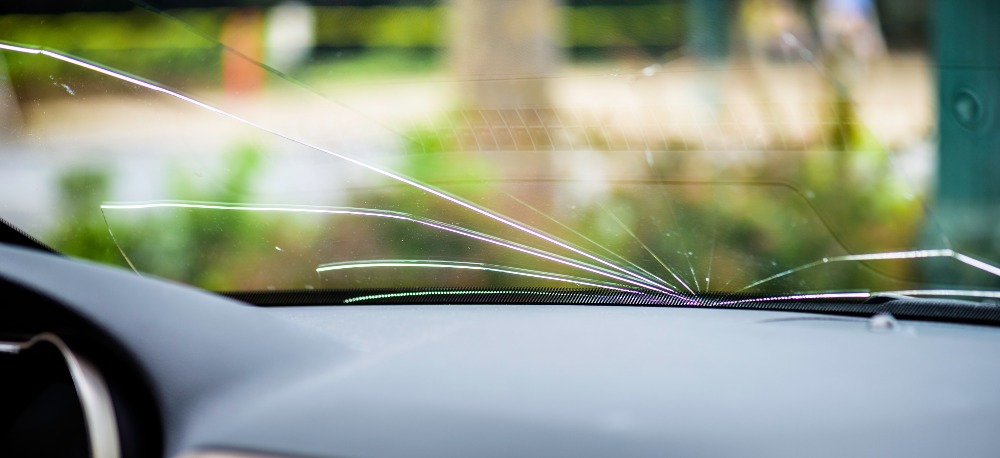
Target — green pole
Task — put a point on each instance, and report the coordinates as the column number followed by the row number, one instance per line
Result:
column 708, row 28
column 967, row 195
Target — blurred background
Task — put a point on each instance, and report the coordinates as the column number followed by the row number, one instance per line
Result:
column 708, row 145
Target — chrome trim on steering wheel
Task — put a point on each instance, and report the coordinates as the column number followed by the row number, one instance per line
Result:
column 98, row 410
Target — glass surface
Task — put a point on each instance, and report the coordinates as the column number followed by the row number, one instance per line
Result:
column 759, row 146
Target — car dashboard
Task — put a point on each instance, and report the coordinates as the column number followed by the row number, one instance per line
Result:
column 194, row 374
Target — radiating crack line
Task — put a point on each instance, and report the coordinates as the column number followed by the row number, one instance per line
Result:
column 392, row 215
column 438, row 264
column 270, row 69
column 673, row 214
column 806, row 55
column 796, row 297
column 673, row 217
column 384, row 172
column 648, row 250
column 715, row 236
column 949, row 292
column 887, row 256
column 371, row 297
column 117, row 245
column 579, row 234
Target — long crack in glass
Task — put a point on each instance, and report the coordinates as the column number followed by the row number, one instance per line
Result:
column 670, row 172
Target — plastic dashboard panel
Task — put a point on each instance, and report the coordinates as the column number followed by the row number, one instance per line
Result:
column 532, row 380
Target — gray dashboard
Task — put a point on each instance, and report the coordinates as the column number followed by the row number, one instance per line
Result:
column 533, row 380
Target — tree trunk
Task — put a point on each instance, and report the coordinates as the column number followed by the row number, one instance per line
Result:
column 503, row 53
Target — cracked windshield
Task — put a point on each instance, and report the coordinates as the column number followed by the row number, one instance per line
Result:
column 773, row 148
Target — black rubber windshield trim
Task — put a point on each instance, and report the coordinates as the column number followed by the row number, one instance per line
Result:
column 955, row 311
column 11, row 235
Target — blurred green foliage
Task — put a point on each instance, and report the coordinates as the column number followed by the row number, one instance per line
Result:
column 82, row 230
column 659, row 25
column 369, row 64
column 150, row 45
column 585, row 26
column 138, row 42
column 204, row 246
column 226, row 250
column 216, row 250
column 738, row 233
column 839, row 195
column 426, row 155
column 380, row 26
